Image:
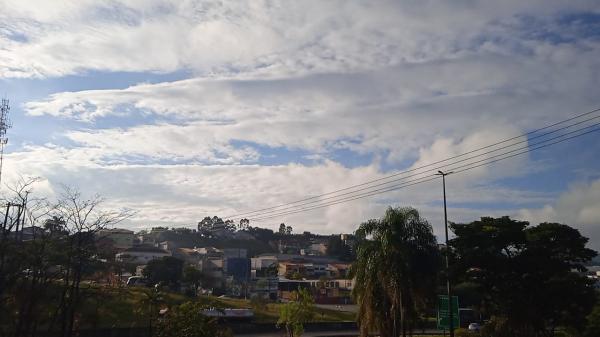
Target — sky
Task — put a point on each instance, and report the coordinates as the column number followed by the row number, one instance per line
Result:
column 186, row 109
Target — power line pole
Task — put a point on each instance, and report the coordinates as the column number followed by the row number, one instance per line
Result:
column 448, row 286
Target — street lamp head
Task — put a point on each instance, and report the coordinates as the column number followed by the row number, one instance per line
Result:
column 444, row 174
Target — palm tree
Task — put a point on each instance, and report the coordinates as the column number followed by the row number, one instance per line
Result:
column 395, row 271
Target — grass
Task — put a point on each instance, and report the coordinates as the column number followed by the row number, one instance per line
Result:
column 106, row 307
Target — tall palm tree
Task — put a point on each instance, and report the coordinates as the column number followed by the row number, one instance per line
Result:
column 395, row 271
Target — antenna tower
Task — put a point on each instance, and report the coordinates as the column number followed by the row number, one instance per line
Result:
column 4, row 126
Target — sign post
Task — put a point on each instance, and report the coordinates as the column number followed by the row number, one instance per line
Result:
column 443, row 316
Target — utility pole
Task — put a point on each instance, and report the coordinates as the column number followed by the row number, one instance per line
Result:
column 448, row 286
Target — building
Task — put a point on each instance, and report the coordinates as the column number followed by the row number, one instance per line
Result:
column 120, row 238
column 261, row 266
column 264, row 287
column 332, row 291
column 317, row 249
column 238, row 268
column 286, row 287
column 263, row 277
column 338, row 270
column 141, row 255
column 305, row 269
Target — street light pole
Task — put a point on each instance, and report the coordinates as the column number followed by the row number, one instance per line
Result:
column 448, row 286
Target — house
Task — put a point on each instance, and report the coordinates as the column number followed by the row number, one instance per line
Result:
column 303, row 268
column 120, row 238
column 141, row 255
column 318, row 249
column 338, row 270
column 264, row 287
column 263, row 266
column 286, row 287
column 332, row 291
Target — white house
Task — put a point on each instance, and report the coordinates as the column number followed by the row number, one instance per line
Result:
column 141, row 254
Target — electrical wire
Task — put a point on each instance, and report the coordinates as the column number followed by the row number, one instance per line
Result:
column 431, row 170
column 421, row 180
column 434, row 163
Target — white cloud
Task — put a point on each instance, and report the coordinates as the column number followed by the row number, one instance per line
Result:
column 258, row 37
column 579, row 206
column 407, row 83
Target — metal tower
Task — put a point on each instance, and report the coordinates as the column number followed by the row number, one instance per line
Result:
column 4, row 126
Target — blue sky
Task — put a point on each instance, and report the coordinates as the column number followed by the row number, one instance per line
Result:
column 182, row 110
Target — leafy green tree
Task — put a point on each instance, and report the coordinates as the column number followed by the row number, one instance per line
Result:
column 167, row 270
column 193, row 276
column 525, row 274
column 293, row 315
column 187, row 320
column 395, row 270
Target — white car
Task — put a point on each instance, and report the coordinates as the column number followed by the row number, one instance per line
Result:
column 474, row 327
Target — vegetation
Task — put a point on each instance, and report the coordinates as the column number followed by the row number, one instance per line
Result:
column 167, row 271
column 187, row 320
column 293, row 315
column 396, row 272
column 522, row 276
column 57, row 259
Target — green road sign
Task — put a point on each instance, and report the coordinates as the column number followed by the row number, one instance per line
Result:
column 443, row 318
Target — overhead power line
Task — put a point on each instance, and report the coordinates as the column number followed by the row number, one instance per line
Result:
column 301, row 202
column 422, row 179
column 434, row 170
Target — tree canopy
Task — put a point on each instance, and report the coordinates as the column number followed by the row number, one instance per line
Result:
column 524, row 273
column 167, row 270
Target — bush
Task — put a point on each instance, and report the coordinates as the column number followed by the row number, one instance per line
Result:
column 187, row 320
column 462, row 332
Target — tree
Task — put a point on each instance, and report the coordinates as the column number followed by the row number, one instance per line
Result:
column 294, row 314
column 337, row 248
column 83, row 218
column 592, row 328
column 187, row 320
column 525, row 274
column 193, row 276
column 395, row 270
column 282, row 229
column 167, row 270
column 288, row 230
column 244, row 224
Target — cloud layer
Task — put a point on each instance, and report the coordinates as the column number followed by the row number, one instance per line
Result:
column 287, row 99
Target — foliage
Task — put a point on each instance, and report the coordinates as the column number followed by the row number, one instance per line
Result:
column 294, row 314
column 208, row 224
column 193, row 276
column 337, row 248
column 592, row 328
column 167, row 270
column 525, row 274
column 395, row 270
column 258, row 303
column 186, row 320
column 58, row 254
column 462, row 332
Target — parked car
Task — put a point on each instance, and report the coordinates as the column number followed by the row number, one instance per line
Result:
column 136, row 281
column 474, row 327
